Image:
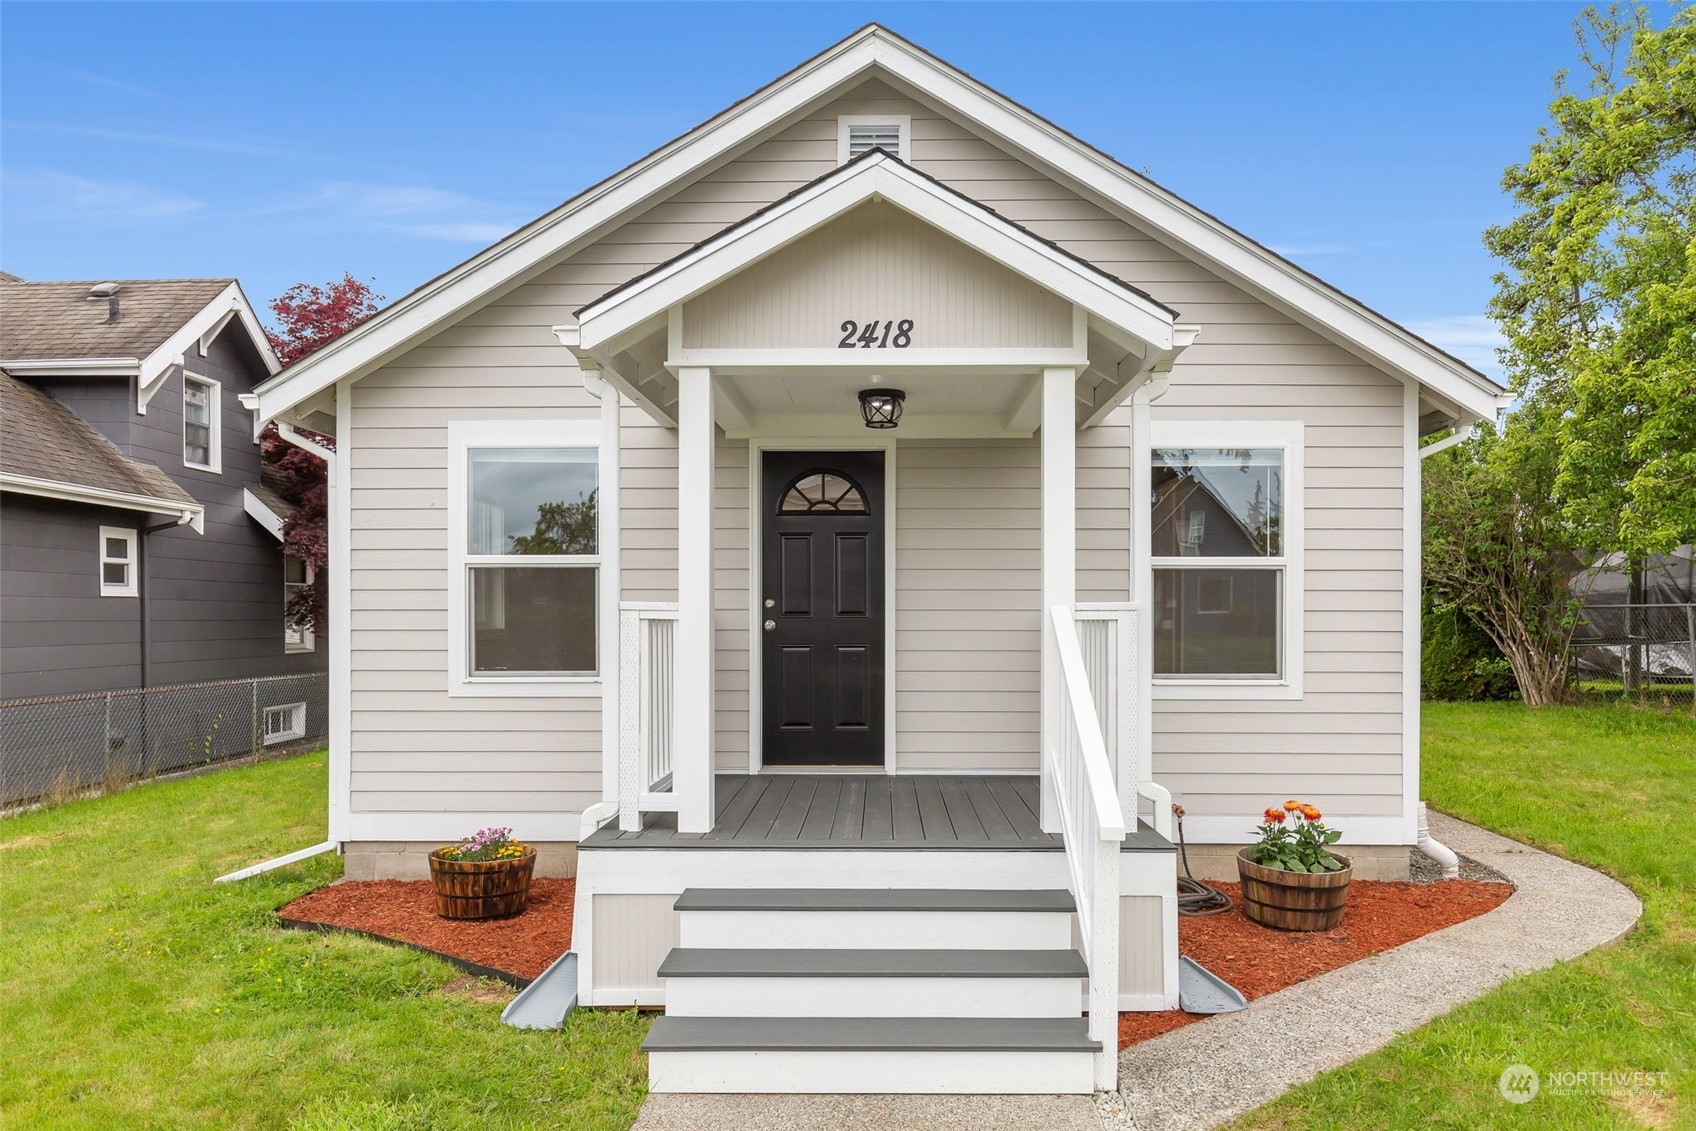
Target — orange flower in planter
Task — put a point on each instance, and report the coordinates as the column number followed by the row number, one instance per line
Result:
column 1275, row 816
column 1311, row 813
column 1291, row 806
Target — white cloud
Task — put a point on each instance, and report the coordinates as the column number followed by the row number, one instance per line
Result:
column 1473, row 338
column 64, row 196
column 409, row 210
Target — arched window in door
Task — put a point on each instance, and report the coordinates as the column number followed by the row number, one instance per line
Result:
column 822, row 492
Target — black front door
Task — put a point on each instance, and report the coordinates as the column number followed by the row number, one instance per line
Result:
column 821, row 616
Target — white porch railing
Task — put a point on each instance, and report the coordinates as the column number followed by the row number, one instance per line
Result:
column 1107, row 636
column 646, row 691
column 1092, row 824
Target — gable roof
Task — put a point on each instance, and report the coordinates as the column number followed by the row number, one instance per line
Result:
column 876, row 175
column 47, row 450
column 871, row 49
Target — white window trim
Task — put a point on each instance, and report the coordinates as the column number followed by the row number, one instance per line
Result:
column 1288, row 435
column 308, row 639
column 296, row 728
column 215, row 413
column 131, row 540
column 902, row 122
column 463, row 435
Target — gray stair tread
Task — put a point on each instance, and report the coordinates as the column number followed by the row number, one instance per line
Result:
column 695, row 962
column 874, row 899
column 879, row 1034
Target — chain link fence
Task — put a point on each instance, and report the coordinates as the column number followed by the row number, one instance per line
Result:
column 55, row 748
column 1637, row 652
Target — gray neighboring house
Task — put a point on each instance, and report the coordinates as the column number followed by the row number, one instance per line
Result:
column 138, row 543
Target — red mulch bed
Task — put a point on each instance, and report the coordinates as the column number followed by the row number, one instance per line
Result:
column 406, row 910
column 1259, row 960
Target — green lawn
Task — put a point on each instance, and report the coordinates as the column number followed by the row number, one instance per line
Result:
column 137, row 994
column 1613, row 787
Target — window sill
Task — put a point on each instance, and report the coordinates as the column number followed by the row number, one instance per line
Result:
column 1227, row 689
column 203, row 467
column 583, row 688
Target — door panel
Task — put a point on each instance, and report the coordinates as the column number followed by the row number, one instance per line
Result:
column 823, row 656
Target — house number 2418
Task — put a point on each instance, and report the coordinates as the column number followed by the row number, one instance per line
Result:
column 878, row 335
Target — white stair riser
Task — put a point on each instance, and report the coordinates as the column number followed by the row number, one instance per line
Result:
column 890, row 930
column 1024, row 1073
column 873, row 997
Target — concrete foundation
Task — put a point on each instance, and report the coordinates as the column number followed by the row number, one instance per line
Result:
column 409, row 859
column 1371, row 861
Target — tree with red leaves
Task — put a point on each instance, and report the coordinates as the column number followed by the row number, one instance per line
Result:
column 310, row 318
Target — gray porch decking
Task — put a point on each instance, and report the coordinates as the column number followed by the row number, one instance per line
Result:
column 836, row 811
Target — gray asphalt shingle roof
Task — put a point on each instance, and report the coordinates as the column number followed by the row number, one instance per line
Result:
column 59, row 320
column 42, row 439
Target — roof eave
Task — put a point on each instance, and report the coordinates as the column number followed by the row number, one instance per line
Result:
column 190, row 514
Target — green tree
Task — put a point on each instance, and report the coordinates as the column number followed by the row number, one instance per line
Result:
column 561, row 528
column 1598, row 295
column 1498, row 546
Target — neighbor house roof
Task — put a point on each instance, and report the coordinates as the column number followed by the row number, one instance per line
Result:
column 874, row 50
column 46, row 450
column 59, row 320
column 265, row 502
column 57, row 329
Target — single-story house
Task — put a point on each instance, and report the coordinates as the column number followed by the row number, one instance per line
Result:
column 838, row 538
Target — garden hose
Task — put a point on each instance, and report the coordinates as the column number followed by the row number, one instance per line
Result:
column 1195, row 897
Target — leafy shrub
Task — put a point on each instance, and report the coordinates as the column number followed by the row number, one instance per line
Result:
column 1459, row 662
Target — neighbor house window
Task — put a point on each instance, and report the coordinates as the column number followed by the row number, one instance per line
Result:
column 297, row 578
column 858, row 133
column 527, row 528
column 284, row 722
column 1224, row 540
column 200, row 423
column 118, row 562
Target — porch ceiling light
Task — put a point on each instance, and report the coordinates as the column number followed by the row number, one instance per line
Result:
column 881, row 408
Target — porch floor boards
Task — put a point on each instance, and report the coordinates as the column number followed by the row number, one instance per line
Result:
column 856, row 810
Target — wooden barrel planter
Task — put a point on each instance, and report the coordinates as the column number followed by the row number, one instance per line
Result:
column 1293, row 901
column 481, row 889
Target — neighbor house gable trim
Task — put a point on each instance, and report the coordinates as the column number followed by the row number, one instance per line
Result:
column 229, row 305
column 509, row 262
column 262, row 514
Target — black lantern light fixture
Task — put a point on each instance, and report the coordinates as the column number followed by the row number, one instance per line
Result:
column 881, row 408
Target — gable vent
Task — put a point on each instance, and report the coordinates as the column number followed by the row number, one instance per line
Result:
column 882, row 135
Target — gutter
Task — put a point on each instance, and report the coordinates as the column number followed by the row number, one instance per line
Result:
column 188, row 514
column 280, row 862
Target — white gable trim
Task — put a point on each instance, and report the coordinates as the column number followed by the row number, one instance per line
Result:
column 259, row 512
column 608, row 324
column 530, row 249
column 207, row 324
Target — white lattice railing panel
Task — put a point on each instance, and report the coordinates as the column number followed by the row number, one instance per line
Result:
column 647, row 692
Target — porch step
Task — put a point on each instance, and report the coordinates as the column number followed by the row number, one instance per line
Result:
column 875, row 918
column 932, row 982
column 861, row 1054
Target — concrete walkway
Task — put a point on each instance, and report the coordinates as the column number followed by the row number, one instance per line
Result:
column 1207, row 1073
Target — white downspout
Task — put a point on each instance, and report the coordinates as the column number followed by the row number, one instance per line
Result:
column 1436, row 849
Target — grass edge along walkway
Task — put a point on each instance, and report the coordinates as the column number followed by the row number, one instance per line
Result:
column 1610, row 787
column 140, row 994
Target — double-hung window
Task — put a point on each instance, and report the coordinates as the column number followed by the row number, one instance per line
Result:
column 525, row 533
column 201, row 406
column 1225, row 541
column 297, row 578
column 118, row 562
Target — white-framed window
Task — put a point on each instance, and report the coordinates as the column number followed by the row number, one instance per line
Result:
column 202, row 438
column 1226, row 541
column 118, row 564
column 297, row 576
column 857, row 133
column 284, row 722
column 524, row 535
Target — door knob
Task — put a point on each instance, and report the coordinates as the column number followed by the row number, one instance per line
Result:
column 771, row 626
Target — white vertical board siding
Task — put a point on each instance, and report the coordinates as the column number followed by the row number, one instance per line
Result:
column 967, row 589
column 877, row 263
column 633, row 934
column 414, row 749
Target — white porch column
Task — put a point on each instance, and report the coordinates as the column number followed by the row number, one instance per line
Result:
column 1059, row 550
column 611, row 589
column 692, row 740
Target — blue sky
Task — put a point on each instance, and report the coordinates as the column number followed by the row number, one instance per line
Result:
column 289, row 142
